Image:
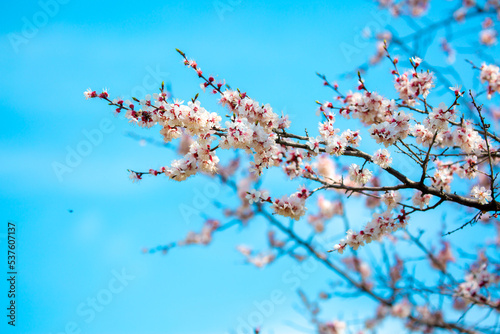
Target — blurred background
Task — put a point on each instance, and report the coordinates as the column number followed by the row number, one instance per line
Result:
column 83, row 225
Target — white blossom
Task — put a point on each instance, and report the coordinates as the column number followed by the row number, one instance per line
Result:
column 483, row 195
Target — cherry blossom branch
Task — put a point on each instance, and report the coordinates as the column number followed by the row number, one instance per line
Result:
column 359, row 285
column 485, row 133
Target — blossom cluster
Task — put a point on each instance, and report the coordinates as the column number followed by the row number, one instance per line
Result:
column 411, row 85
column 391, row 199
column 391, row 130
column 421, row 200
column 444, row 172
column 256, row 196
column 335, row 143
column 368, row 107
column 252, row 128
column 480, row 193
column 435, row 131
column 381, row 224
column 469, row 169
column 382, row 158
column 175, row 119
column 293, row 206
column 358, row 175
column 294, row 165
column 468, row 139
column 388, row 124
column 491, row 75
column 439, row 118
column 488, row 36
column 443, row 175
column 476, row 280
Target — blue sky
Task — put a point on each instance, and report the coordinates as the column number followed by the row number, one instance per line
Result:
column 271, row 49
